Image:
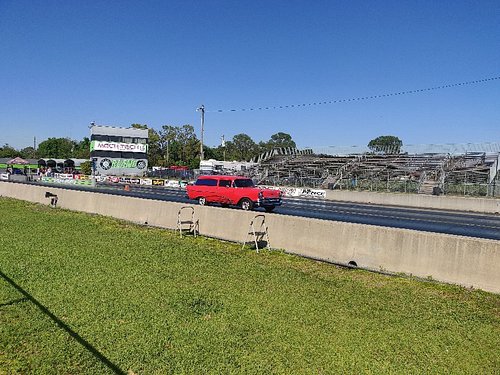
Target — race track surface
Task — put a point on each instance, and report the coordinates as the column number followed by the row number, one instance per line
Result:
column 437, row 221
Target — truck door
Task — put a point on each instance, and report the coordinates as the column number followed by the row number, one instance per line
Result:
column 225, row 191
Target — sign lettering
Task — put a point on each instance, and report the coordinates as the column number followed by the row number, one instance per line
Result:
column 117, row 146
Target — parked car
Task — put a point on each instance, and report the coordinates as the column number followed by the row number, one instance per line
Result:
column 233, row 190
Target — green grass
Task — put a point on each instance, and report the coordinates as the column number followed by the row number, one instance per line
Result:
column 148, row 302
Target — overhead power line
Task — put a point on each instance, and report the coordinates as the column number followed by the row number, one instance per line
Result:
column 406, row 92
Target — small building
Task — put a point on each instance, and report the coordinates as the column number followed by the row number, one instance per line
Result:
column 118, row 151
column 60, row 165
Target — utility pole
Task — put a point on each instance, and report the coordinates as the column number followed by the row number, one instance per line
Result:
column 167, row 151
column 202, row 110
column 34, row 147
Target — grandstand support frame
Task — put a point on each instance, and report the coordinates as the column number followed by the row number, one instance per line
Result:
column 471, row 173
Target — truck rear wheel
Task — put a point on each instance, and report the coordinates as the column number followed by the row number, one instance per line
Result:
column 202, row 201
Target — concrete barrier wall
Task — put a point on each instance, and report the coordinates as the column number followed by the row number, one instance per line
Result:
column 453, row 259
column 483, row 205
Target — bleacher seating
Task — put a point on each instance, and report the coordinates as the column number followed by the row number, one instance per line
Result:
column 426, row 171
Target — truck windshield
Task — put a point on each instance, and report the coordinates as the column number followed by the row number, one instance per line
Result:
column 243, row 183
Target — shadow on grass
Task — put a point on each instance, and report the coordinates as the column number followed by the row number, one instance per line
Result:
column 61, row 324
column 13, row 302
column 261, row 244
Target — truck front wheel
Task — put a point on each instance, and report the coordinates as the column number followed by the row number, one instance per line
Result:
column 246, row 204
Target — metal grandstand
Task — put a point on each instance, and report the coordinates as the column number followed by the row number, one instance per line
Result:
column 464, row 169
column 445, row 148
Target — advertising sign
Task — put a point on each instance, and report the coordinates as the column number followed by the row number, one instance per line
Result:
column 67, row 181
column 64, row 176
column 313, row 193
column 299, row 192
column 118, row 146
column 158, row 182
column 106, row 163
column 172, row 183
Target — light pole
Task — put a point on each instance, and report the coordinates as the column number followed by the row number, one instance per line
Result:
column 223, row 144
column 202, row 110
column 93, row 160
column 167, row 152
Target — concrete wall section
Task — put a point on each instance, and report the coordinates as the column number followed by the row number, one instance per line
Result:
column 483, row 205
column 454, row 259
column 156, row 213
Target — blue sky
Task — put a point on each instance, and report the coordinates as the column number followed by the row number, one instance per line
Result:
column 66, row 63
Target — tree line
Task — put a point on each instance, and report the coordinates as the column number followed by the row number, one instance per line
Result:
column 179, row 145
column 171, row 145
column 56, row 148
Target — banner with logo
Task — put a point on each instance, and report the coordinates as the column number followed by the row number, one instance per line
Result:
column 106, row 163
column 65, row 181
column 158, row 182
column 118, row 146
column 114, row 179
column 172, row 183
column 299, row 192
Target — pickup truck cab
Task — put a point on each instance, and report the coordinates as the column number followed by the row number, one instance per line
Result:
column 233, row 190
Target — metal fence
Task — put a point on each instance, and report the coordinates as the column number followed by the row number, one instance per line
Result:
column 412, row 187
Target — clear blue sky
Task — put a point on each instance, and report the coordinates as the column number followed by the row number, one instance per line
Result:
column 66, row 63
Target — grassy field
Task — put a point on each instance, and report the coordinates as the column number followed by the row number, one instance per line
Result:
column 82, row 294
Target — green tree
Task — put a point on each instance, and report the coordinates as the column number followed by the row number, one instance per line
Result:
column 386, row 144
column 281, row 140
column 169, row 144
column 154, row 149
column 179, row 145
column 86, row 167
column 28, row 152
column 216, row 153
column 242, row 147
column 189, row 143
column 82, row 149
column 7, row 151
column 139, row 126
column 57, row 148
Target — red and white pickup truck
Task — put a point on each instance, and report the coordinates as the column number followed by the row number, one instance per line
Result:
column 233, row 190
